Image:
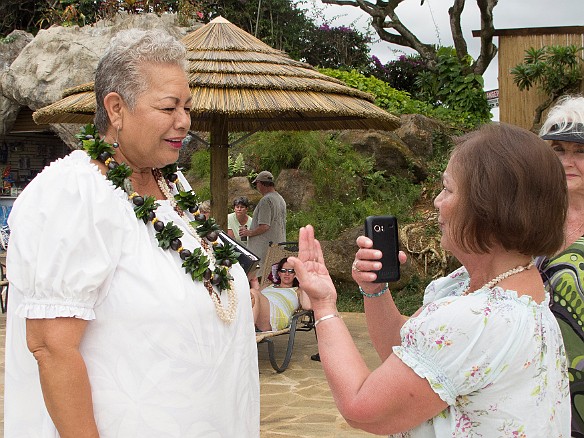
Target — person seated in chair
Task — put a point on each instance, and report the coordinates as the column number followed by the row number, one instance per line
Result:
column 274, row 306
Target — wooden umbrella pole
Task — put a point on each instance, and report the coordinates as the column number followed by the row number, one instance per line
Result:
column 219, row 178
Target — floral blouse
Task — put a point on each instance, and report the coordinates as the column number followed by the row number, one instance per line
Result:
column 497, row 359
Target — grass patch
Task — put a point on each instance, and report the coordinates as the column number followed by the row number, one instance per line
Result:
column 408, row 300
column 349, row 298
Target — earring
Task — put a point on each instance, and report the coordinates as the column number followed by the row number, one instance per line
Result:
column 115, row 143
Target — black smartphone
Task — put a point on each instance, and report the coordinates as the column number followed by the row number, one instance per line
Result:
column 384, row 233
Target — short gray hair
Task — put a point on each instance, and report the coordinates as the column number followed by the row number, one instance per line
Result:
column 564, row 116
column 119, row 69
column 205, row 206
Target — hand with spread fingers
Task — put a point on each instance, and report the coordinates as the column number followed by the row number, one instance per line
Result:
column 311, row 270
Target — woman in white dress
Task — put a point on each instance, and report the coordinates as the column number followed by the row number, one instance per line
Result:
column 125, row 320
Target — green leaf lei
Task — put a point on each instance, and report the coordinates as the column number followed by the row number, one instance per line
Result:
column 196, row 263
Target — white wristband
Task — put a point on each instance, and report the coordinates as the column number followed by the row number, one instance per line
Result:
column 324, row 318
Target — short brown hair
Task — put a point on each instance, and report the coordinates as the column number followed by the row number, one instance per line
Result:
column 512, row 191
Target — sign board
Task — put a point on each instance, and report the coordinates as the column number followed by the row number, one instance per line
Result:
column 492, row 98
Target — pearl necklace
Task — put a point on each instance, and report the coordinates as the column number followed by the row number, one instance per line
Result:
column 201, row 263
column 502, row 277
column 226, row 315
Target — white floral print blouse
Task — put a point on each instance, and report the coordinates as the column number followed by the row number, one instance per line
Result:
column 497, row 359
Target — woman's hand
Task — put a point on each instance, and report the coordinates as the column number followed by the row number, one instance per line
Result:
column 311, row 271
column 366, row 261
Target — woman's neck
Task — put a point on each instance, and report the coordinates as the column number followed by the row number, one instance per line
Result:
column 142, row 179
column 241, row 218
column 483, row 268
column 574, row 225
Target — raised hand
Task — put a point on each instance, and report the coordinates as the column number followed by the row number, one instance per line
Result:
column 311, row 270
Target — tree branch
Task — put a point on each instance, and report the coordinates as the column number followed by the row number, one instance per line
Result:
column 455, row 12
column 384, row 18
column 488, row 49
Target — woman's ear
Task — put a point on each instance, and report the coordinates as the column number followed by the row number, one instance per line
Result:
column 114, row 104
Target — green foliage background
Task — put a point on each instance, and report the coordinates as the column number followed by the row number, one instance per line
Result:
column 347, row 187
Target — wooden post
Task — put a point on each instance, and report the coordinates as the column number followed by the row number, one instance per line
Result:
column 219, row 157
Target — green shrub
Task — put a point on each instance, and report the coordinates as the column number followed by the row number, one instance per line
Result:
column 451, row 84
column 400, row 102
column 200, row 164
column 408, row 300
column 236, row 167
column 333, row 165
column 349, row 298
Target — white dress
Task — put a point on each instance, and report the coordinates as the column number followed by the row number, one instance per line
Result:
column 497, row 359
column 160, row 361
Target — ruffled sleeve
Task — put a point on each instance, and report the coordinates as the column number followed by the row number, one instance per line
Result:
column 67, row 232
column 462, row 344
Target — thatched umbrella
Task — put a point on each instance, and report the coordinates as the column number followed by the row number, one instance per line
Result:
column 240, row 84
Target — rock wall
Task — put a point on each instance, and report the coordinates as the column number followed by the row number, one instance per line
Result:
column 62, row 57
column 12, row 46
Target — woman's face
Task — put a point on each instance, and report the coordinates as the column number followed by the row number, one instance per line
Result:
column 572, row 157
column 286, row 274
column 240, row 210
column 151, row 135
column 446, row 203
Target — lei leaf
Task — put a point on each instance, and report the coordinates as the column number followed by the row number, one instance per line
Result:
column 143, row 211
column 118, row 174
column 224, row 277
column 185, row 200
column 169, row 170
column 226, row 251
column 87, row 132
column 168, row 234
column 196, row 264
column 207, row 227
column 93, row 145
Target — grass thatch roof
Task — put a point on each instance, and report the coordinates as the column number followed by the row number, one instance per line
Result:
column 233, row 74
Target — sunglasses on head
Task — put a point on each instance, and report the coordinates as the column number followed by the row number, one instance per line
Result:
column 284, row 270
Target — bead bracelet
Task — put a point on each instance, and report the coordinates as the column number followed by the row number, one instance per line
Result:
column 324, row 318
column 378, row 294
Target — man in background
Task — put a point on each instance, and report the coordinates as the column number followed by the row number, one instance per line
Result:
column 269, row 219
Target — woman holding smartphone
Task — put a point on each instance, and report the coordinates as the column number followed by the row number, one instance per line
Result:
column 484, row 355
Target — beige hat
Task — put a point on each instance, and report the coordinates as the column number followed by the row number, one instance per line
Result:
column 263, row 176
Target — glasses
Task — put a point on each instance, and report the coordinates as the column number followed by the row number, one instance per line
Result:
column 289, row 271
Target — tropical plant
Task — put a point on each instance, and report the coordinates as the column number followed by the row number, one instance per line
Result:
column 555, row 70
column 235, row 167
column 451, row 84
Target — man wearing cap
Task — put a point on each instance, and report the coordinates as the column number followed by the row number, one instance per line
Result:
column 269, row 218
